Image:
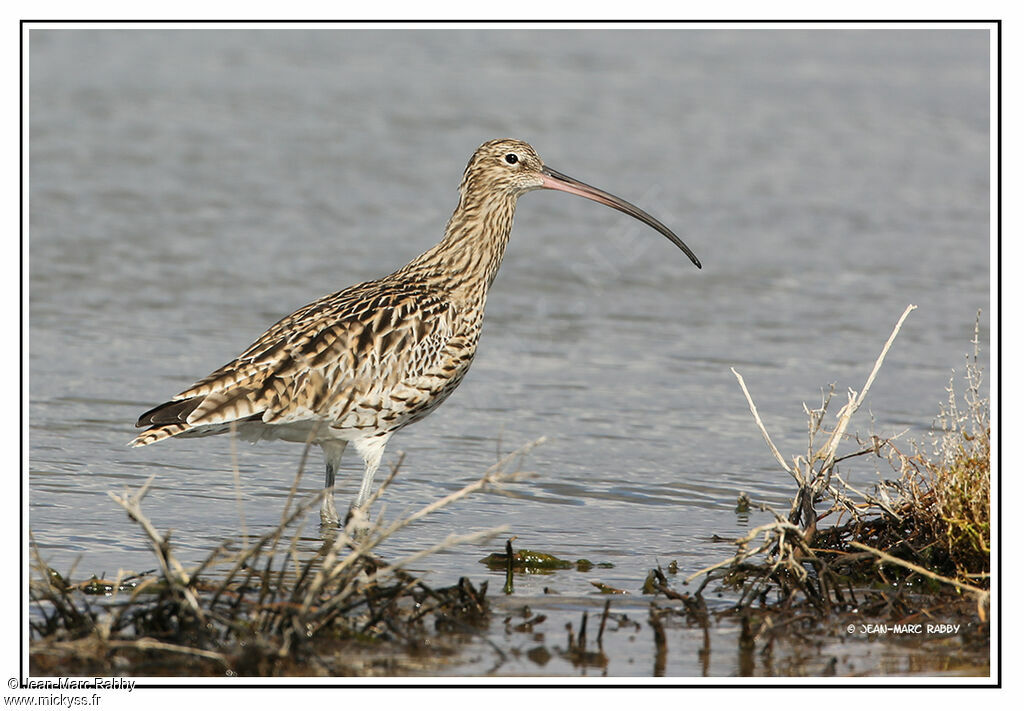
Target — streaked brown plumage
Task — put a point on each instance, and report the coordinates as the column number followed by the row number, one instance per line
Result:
column 357, row 365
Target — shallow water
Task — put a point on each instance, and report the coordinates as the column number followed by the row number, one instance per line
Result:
column 189, row 188
column 630, row 649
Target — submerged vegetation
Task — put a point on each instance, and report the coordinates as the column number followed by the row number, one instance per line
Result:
column 914, row 548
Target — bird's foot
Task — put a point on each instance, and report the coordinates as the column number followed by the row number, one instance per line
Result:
column 329, row 515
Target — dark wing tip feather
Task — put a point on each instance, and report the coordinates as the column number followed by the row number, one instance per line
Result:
column 169, row 413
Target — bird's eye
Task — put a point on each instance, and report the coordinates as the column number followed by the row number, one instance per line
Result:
column 511, row 158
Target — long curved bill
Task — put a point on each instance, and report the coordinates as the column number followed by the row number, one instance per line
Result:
column 553, row 180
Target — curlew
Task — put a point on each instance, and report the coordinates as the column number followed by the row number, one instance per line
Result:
column 360, row 364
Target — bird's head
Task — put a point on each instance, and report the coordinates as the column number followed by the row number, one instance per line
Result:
column 506, row 168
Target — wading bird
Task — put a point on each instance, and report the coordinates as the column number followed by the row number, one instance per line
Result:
column 362, row 363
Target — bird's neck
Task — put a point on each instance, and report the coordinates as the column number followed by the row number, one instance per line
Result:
column 469, row 256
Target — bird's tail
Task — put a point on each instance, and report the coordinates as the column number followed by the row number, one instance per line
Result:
column 155, row 434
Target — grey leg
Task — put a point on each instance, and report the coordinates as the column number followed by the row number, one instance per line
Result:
column 332, row 455
column 371, row 450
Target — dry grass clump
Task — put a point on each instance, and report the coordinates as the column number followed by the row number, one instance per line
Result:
column 256, row 607
column 930, row 524
column 949, row 487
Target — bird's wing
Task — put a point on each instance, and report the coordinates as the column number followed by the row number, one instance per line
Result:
column 319, row 360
